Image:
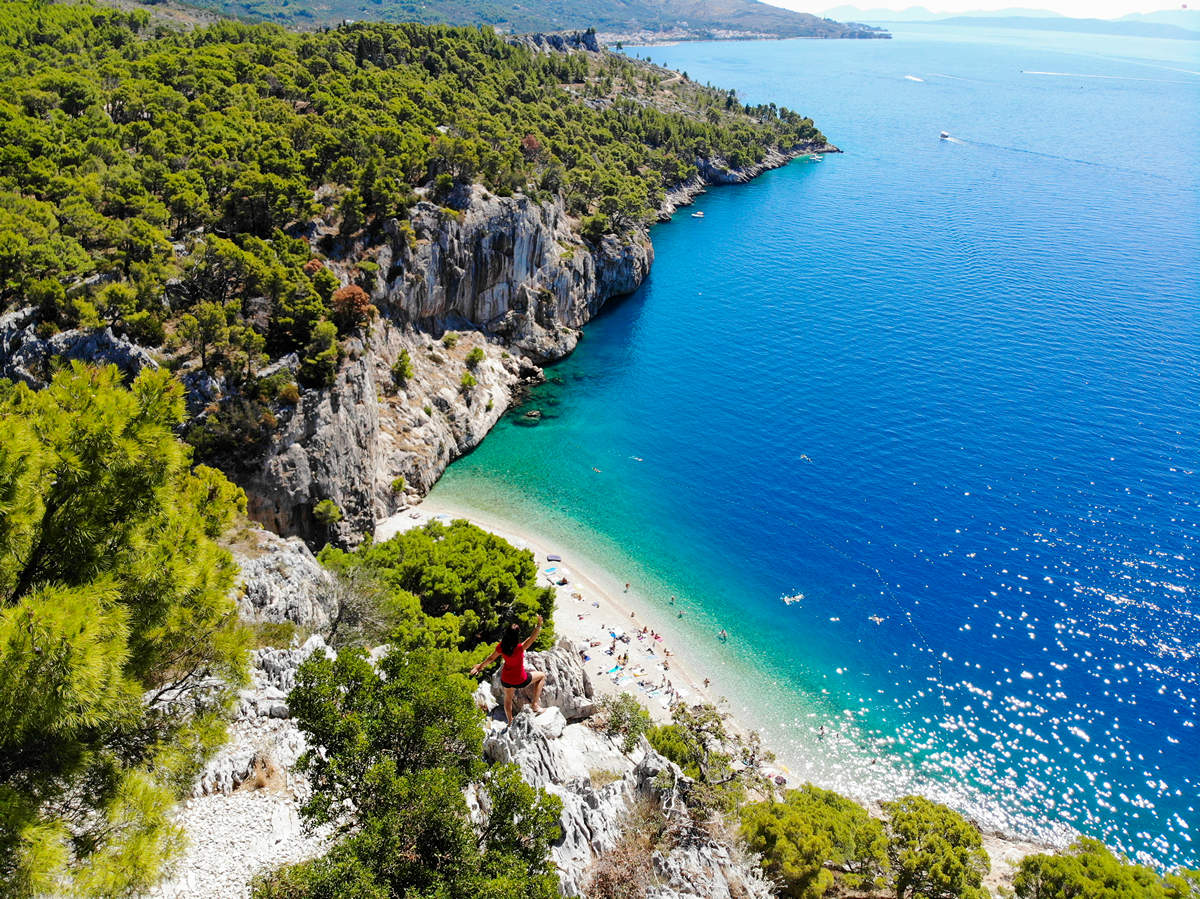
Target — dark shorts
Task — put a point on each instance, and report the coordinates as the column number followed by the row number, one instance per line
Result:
column 525, row 683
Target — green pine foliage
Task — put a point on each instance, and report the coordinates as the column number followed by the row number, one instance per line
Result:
column 401, row 742
column 178, row 163
column 934, row 852
column 162, row 182
column 1089, row 868
column 457, row 582
column 721, row 765
column 622, row 716
column 115, row 613
column 812, row 837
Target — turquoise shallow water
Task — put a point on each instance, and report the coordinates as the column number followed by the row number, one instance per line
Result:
column 946, row 390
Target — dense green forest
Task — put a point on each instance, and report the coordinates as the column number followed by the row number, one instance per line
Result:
column 701, row 18
column 167, row 183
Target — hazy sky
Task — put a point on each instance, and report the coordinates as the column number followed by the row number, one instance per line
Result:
column 1098, row 9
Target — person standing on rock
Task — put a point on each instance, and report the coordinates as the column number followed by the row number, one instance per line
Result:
column 514, row 676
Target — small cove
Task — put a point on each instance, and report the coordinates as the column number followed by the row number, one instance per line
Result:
column 945, row 390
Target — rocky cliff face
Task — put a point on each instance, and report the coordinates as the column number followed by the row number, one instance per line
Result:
column 510, row 275
column 24, row 356
column 280, row 580
column 506, row 275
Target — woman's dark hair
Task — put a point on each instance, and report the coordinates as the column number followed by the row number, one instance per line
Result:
column 510, row 639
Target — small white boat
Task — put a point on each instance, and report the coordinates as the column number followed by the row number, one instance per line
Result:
column 697, row 215
column 945, row 135
column 813, row 157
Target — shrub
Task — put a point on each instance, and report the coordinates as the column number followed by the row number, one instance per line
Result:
column 811, row 832
column 1089, row 868
column 399, row 485
column 474, row 357
column 467, row 381
column 234, row 434
column 594, row 227
column 275, row 633
column 450, row 340
column 696, row 740
column 289, row 393
column 351, row 307
column 327, row 512
column 934, row 852
column 401, row 742
column 402, row 369
column 622, row 716
column 469, row 581
column 320, row 359
column 428, row 410
column 602, row 777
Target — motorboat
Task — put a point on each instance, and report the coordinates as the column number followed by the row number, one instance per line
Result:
column 945, row 135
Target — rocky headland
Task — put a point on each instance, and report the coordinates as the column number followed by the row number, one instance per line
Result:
column 511, row 276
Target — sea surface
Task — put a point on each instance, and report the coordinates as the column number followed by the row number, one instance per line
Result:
column 947, row 393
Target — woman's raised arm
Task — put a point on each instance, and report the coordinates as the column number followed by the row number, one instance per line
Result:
column 537, row 630
column 477, row 668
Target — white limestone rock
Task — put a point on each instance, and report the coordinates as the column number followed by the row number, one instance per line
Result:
column 280, row 580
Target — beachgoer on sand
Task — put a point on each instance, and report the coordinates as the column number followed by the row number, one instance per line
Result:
column 514, row 676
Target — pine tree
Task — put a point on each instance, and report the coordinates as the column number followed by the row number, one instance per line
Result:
column 119, row 640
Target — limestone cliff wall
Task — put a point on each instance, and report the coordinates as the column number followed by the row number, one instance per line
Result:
column 507, row 275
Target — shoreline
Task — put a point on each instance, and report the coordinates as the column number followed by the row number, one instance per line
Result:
column 605, row 602
column 588, row 609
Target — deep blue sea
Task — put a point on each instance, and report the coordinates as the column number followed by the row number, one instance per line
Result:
column 948, row 392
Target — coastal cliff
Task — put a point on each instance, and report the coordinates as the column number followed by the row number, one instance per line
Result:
column 509, row 276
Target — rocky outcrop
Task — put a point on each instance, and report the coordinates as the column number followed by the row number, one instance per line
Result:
column 24, row 356
column 600, row 787
column 567, row 688
column 506, row 275
column 280, row 580
column 511, row 267
column 558, row 42
column 717, row 171
column 263, row 742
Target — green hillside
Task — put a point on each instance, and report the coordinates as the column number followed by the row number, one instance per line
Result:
column 165, row 183
column 621, row 17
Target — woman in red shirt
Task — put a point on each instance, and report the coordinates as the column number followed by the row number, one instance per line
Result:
column 513, row 675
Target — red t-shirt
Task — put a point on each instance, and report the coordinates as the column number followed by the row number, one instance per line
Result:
column 513, row 672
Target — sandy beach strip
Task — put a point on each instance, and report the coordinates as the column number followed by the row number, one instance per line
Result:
column 590, row 608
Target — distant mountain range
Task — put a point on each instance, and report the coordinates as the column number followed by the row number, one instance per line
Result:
column 1170, row 23
column 635, row 18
